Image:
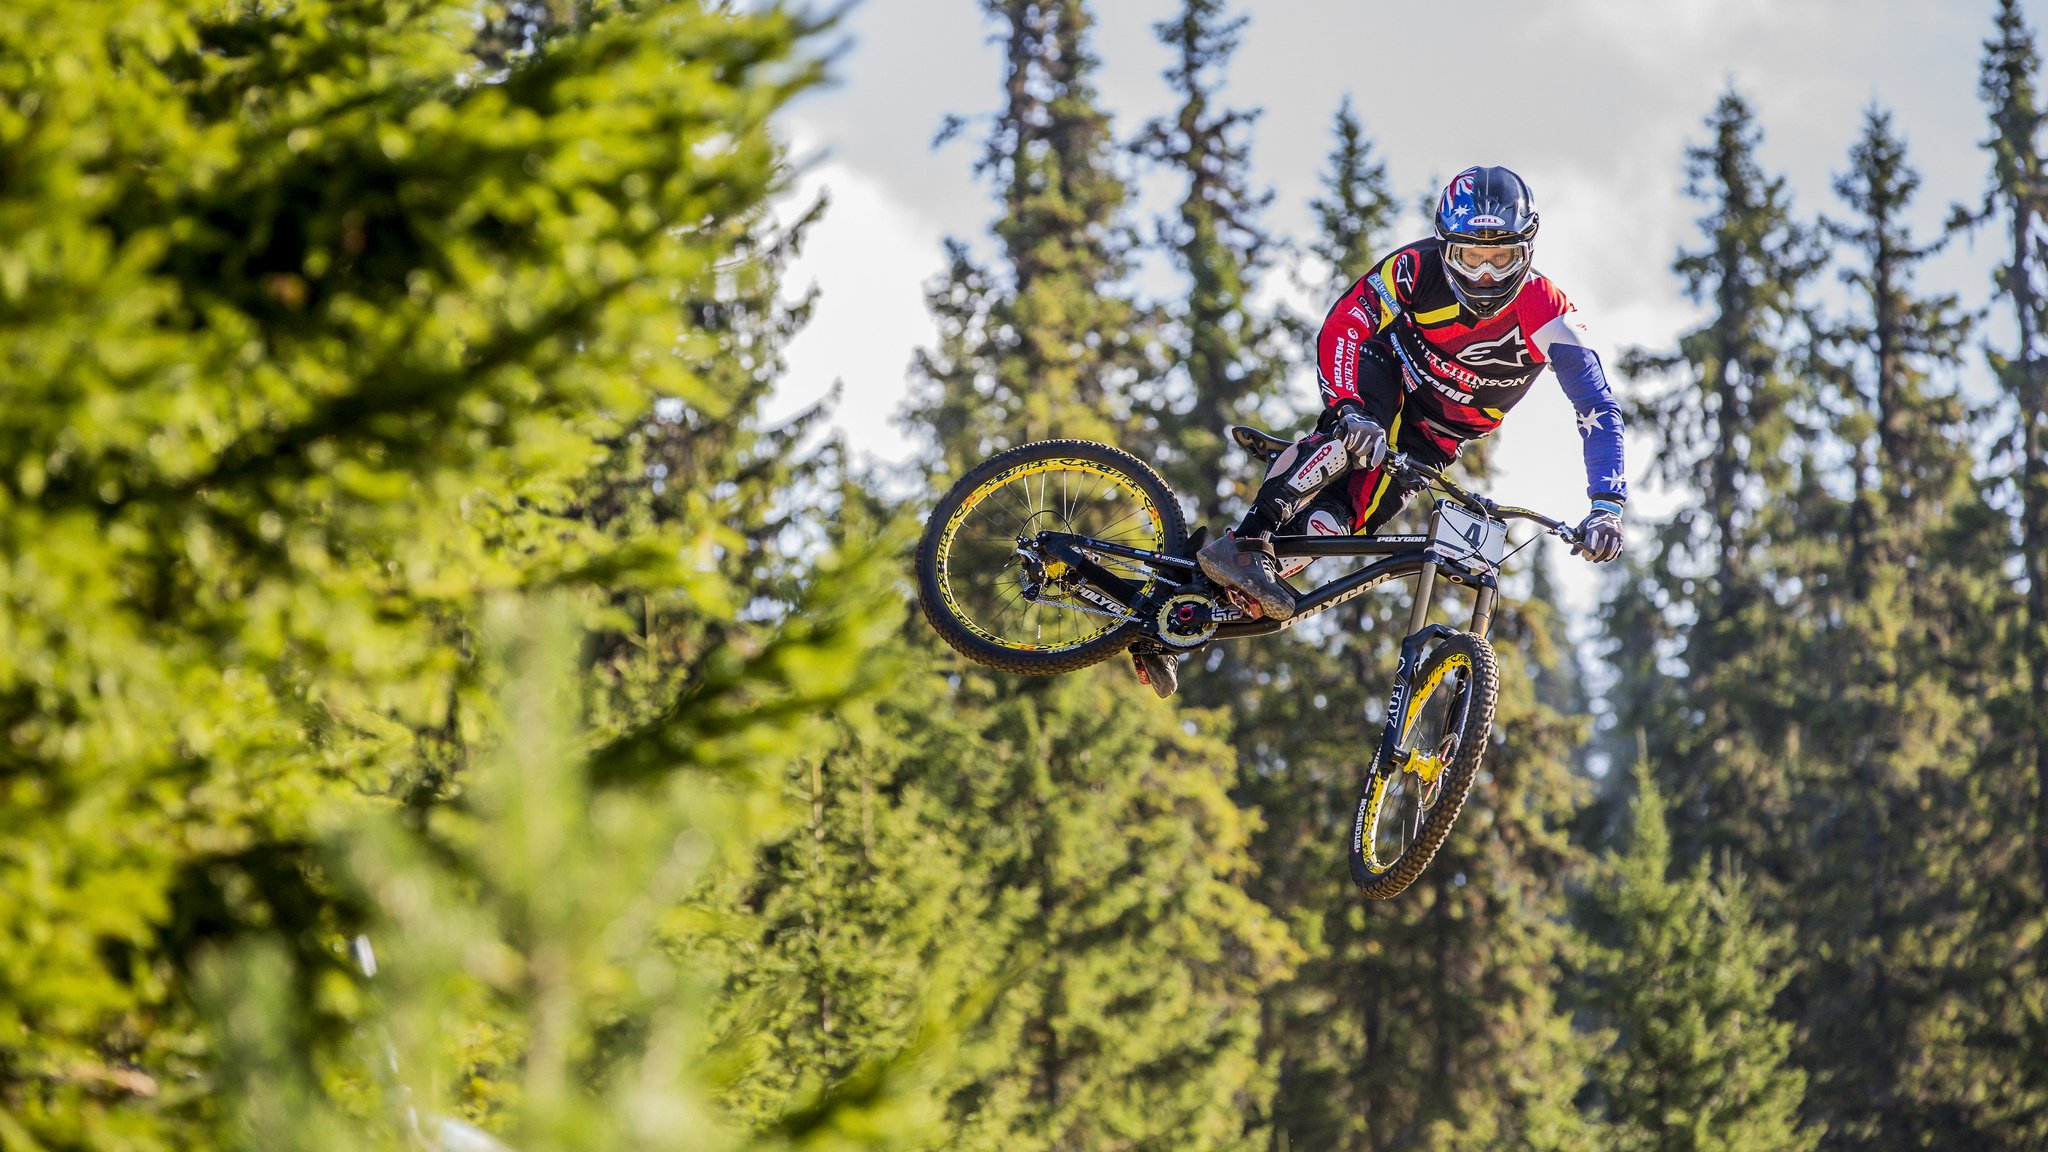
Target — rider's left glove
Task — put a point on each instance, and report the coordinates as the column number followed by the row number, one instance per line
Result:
column 1600, row 532
column 1364, row 439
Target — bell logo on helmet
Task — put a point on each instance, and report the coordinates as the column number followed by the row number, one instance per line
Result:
column 1487, row 222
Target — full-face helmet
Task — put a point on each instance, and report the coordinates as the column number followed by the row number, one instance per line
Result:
column 1487, row 221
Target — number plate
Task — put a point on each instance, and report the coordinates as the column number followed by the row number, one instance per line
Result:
column 1457, row 534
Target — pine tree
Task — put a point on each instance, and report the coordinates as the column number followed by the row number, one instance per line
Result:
column 2019, row 197
column 1889, row 736
column 1724, row 430
column 1356, row 213
column 1048, row 346
column 1111, row 839
column 1301, row 724
column 1996, row 1003
column 1229, row 352
column 1464, row 1044
column 1683, row 978
column 1109, row 859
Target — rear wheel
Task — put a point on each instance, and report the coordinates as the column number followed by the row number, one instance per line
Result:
column 1409, row 804
column 998, row 604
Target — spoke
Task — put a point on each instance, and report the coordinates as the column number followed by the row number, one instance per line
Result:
column 1002, row 609
column 1021, row 494
column 1103, row 533
column 1024, row 500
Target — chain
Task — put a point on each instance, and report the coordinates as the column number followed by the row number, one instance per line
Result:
column 1127, row 618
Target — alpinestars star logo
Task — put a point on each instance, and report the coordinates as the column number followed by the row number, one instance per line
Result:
column 1504, row 351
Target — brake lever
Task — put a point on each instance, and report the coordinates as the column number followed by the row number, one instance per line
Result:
column 1573, row 537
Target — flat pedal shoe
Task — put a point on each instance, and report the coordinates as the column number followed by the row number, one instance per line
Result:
column 1157, row 671
column 1248, row 566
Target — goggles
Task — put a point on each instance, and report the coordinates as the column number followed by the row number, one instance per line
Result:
column 1500, row 261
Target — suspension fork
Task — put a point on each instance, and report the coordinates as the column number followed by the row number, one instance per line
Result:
column 1420, row 636
column 1391, row 752
column 1425, row 587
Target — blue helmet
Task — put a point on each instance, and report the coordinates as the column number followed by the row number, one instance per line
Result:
column 1487, row 221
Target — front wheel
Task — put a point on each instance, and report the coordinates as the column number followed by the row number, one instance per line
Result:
column 1409, row 804
column 998, row 605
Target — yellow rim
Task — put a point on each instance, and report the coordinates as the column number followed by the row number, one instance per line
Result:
column 1049, row 504
column 1426, row 768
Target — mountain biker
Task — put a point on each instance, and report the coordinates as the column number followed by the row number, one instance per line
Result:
column 1426, row 351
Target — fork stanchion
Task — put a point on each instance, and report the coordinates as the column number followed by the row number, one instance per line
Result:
column 1425, row 585
column 1482, row 613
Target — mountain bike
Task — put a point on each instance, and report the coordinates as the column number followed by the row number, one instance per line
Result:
column 1056, row 555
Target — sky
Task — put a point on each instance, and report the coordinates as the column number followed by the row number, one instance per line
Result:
column 1593, row 102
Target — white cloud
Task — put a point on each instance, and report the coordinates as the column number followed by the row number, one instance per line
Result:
column 870, row 257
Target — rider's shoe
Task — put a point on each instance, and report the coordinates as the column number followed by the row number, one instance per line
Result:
column 1248, row 566
column 1159, row 671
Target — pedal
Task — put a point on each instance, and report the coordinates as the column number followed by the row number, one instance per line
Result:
column 1245, row 604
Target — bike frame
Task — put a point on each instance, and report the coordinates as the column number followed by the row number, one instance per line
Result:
column 1404, row 556
column 1401, row 557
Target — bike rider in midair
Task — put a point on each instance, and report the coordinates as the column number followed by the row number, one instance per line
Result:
column 1428, row 350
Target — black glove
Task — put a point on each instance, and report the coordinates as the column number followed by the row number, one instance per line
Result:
column 1365, row 440
column 1600, row 532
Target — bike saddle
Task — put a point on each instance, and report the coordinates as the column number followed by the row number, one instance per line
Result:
column 1263, row 445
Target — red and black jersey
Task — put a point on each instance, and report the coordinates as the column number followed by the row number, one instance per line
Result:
column 1400, row 343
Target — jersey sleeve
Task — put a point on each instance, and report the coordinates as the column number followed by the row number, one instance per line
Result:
column 1562, row 342
column 1353, row 360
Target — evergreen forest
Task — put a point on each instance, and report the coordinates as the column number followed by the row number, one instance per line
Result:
column 442, row 711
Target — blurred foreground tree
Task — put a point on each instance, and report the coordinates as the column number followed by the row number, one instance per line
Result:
column 314, row 331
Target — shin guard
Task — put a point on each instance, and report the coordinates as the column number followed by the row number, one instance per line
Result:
column 1319, row 522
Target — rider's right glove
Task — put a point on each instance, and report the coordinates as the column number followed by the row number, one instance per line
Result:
column 1365, row 440
column 1600, row 532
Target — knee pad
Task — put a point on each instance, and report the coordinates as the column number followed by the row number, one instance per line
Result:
column 1297, row 474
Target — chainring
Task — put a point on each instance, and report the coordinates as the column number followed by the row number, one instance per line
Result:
column 1187, row 620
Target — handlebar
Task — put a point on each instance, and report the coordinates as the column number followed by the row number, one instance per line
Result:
column 1408, row 467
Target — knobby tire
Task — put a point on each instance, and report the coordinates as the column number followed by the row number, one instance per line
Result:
column 1477, row 730
column 933, row 571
